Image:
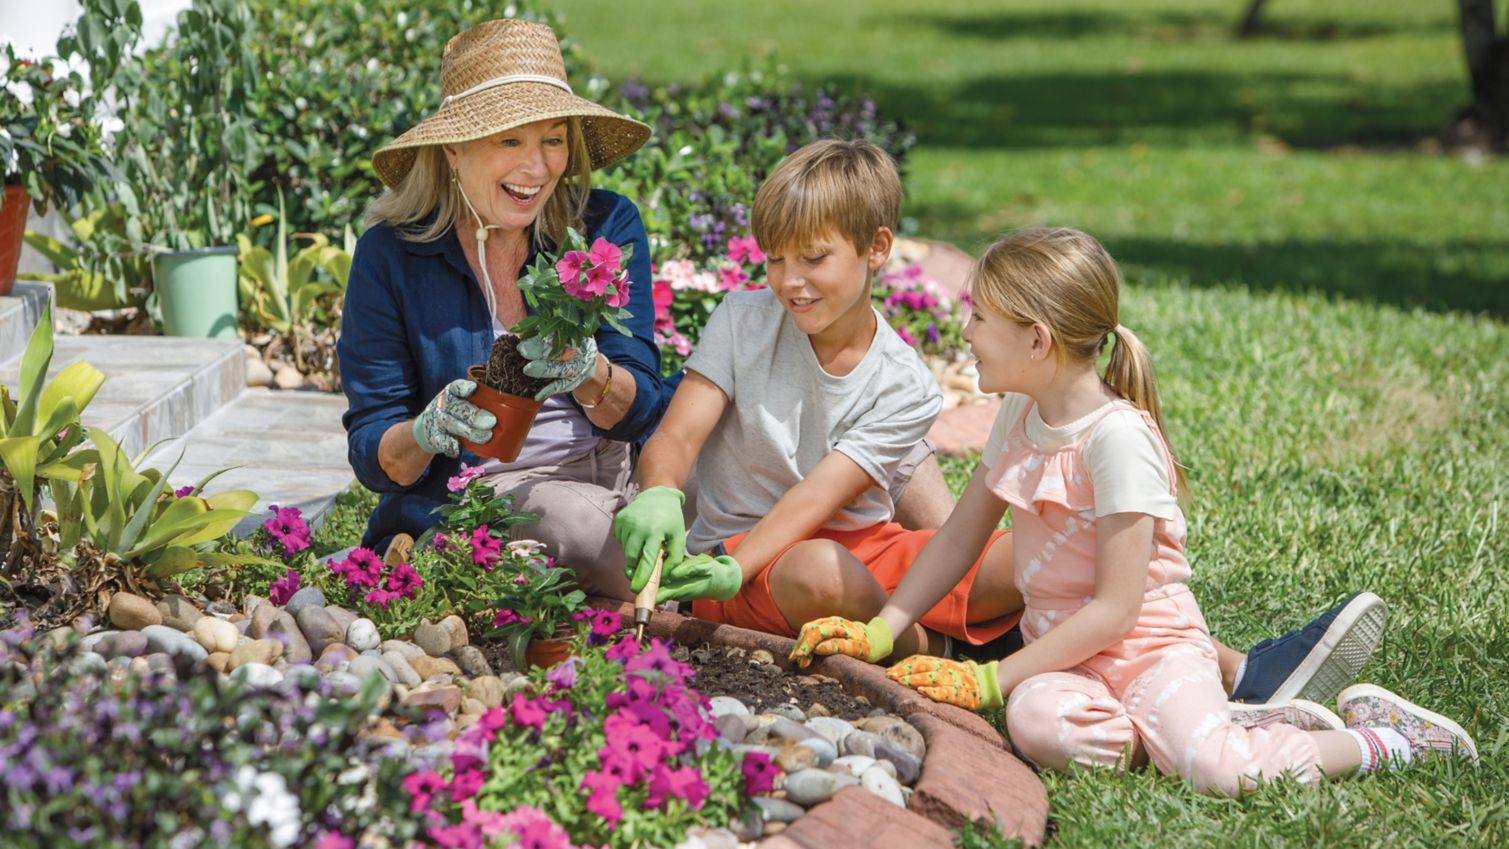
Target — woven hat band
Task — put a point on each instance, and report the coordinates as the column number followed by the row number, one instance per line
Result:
column 511, row 78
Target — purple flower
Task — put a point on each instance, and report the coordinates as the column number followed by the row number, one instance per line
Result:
column 287, row 526
column 562, row 676
column 759, row 773
column 283, row 589
column 485, row 549
column 404, row 581
column 183, row 491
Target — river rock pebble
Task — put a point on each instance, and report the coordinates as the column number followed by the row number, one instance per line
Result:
column 161, row 638
column 721, row 705
column 304, row 598
column 130, row 612
column 333, row 656
column 402, row 668
column 434, row 639
column 731, row 727
column 367, row 665
column 824, row 751
column 877, row 781
column 830, row 727
column 487, row 689
column 256, row 675
column 179, row 612
column 447, row 699
column 362, row 635
column 788, row 711
column 286, row 631
column 471, row 660
column 793, row 758
column 262, row 652
column 343, row 617
column 403, row 647
column 855, row 765
column 896, row 731
column 455, row 627
column 809, row 787
column 113, row 644
column 216, row 635
column 429, row 667
column 778, row 810
column 319, row 628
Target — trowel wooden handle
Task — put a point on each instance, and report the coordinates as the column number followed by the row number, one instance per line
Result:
column 644, row 601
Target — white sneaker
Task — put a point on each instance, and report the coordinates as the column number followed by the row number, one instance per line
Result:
column 1300, row 713
column 1428, row 733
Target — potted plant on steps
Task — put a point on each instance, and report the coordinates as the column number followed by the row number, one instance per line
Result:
column 571, row 297
column 50, row 148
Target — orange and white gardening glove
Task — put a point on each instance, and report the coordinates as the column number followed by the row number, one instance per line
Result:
column 869, row 641
column 966, row 684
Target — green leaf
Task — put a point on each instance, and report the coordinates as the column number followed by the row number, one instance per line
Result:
column 20, row 456
column 34, row 362
column 77, row 383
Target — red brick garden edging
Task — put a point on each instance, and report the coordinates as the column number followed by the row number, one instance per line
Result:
column 967, row 774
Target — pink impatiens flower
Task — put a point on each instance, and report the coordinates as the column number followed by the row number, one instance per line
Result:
column 605, row 253
column 569, row 267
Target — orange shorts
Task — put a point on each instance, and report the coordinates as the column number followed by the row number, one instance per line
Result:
column 886, row 550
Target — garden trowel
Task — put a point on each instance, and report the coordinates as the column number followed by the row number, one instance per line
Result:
column 644, row 601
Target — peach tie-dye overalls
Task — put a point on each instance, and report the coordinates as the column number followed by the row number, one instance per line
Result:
column 1160, row 685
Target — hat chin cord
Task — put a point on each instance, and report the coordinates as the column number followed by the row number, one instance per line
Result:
column 487, row 281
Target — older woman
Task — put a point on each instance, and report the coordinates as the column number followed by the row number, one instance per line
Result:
column 474, row 192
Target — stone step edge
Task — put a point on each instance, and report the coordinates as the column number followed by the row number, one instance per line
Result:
column 20, row 311
column 138, row 431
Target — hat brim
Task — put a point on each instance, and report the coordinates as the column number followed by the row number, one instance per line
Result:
column 609, row 136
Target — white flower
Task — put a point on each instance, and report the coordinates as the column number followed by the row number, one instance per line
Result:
column 21, row 91
column 402, row 19
column 65, row 129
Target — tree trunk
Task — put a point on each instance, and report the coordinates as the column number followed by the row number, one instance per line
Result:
column 1486, row 50
column 1252, row 20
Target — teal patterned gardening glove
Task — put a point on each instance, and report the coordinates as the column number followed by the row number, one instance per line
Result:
column 448, row 416
column 565, row 375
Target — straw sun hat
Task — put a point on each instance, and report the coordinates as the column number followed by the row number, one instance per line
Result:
column 499, row 75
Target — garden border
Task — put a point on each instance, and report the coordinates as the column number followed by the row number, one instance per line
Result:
column 950, row 791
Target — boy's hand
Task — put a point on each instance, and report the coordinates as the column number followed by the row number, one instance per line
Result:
column 700, row 576
column 967, row 684
column 646, row 525
column 448, row 416
column 836, row 635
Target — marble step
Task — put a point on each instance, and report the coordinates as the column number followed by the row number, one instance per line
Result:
column 288, row 447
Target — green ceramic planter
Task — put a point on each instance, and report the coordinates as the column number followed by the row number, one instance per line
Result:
column 197, row 292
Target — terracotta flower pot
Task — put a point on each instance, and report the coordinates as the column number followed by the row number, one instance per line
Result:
column 13, row 211
column 548, row 652
column 515, row 417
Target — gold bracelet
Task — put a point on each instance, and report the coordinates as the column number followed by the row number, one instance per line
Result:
column 602, row 396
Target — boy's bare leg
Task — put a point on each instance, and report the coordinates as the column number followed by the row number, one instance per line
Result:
column 926, row 500
column 1230, row 660
column 819, row 578
column 994, row 593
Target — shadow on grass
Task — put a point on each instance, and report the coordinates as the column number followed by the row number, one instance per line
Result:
column 1217, row 24
column 1164, row 107
column 1459, row 275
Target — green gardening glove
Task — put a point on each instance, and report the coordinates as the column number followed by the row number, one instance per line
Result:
column 968, row 684
column 449, row 415
column 700, row 576
column 836, row 635
column 648, row 524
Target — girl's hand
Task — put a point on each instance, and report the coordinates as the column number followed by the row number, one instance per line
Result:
column 837, row 635
column 967, row 684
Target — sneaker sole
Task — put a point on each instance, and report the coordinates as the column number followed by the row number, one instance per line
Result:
column 1300, row 713
column 1431, row 716
column 1341, row 653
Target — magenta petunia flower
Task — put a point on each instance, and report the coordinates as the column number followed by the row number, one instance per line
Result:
column 732, row 277
column 287, row 526
column 526, row 713
column 459, row 481
column 421, row 786
column 485, row 548
column 685, row 783
column 535, row 829
column 459, row 836
column 626, row 648
column 182, row 491
column 605, row 625
column 361, row 568
column 633, row 746
column 603, row 800
column 605, row 253
column 490, row 823
column 759, row 773
column 466, row 784
column 334, row 840
column 381, row 598
column 657, row 659
column 507, row 617
column 404, row 581
column 283, row 589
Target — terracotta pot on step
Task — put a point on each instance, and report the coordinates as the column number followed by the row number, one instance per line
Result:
column 515, row 417
column 13, row 211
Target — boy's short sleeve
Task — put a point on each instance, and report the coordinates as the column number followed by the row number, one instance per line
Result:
column 1130, row 468
column 713, row 358
column 907, row 404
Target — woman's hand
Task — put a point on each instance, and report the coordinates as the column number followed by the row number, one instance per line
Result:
column 564, row 373
column 448, row 416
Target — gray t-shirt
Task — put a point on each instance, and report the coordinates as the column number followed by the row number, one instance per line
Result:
column 787, row 414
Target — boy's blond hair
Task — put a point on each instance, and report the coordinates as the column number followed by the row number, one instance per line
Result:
column 847, row 187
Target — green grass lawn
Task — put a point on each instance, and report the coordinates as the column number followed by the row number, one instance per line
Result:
column 1325, row 304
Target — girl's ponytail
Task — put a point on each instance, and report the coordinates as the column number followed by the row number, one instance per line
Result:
column 1130, row 373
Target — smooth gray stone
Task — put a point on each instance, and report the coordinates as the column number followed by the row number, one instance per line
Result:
column 860, row 743
column 87, row 662
column 808, row 787
column 179, row 612
column 257, row 675
column 778, row 810
column 343, row 684
column 471, row 660
column 831, row 727
column 319, row 628
column 908, row 766
column 731, row 727
column 306, row 597
column 401, row 668
column 788, row 711
column 362, row 635
column 434, row 639
column 826, row 752
column 303, row 674
column 286, row 631
column 403, row 647
column 787, row 729
column 113, row 644
column 879, row 782
column 366, row 666
column 162, row 638
column 333, row 656
column 720, row 705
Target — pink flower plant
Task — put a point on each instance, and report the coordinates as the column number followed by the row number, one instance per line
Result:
column 459, row 481
column 421, row 786
column 508, row 617
column 742, row 249
column 283, row 589
column 759, row 773
column 363, row 573
column 334, row 840
column 287, row 526
column 535, row 829
column 526, row 712
column 183, row 491
column 486, row 548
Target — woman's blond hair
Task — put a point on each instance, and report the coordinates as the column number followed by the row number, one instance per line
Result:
column 427, row 203
column 1065, row 279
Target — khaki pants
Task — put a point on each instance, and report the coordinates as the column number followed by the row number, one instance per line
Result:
column 577, row 500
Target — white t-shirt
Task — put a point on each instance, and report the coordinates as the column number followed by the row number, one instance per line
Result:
column 1123, row 456
column 786, row 414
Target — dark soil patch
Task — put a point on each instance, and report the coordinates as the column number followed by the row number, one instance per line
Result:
column 727, row 671
column 505, row 370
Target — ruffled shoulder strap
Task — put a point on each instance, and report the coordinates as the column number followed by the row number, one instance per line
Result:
column 1027, row 477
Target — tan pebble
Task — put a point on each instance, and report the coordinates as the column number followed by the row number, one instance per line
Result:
column 428, row 667
column 761, row 656
column 216, row 635
column 255, row 651
column 218, row 661
column 472, row 706
column 132, row 612
column 773, row 827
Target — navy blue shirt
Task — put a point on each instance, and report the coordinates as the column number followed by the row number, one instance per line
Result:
column 415, row 318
